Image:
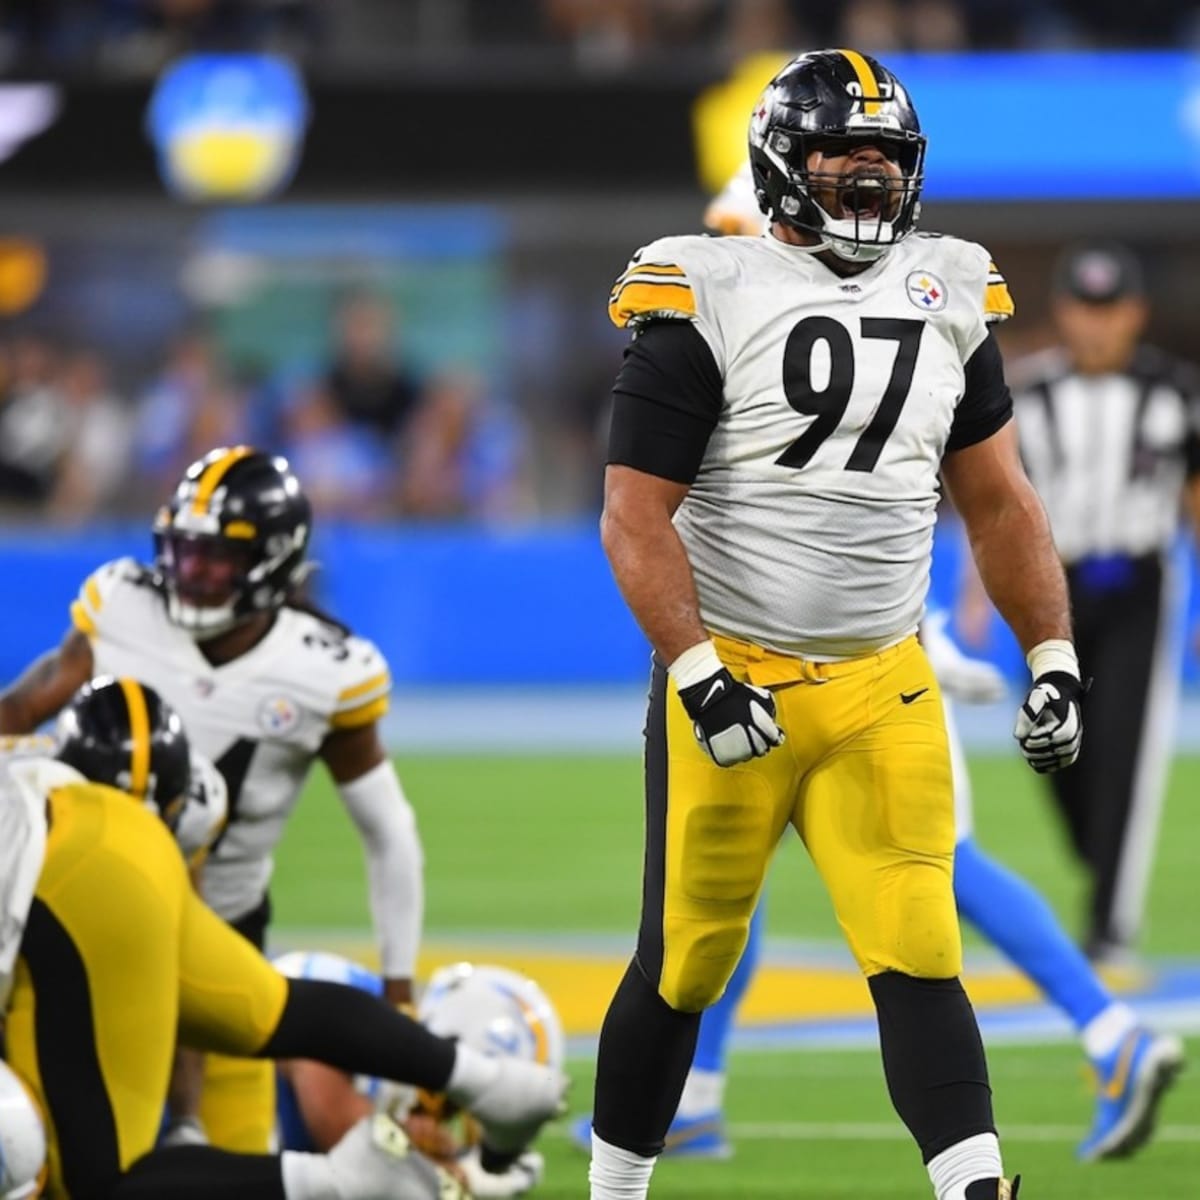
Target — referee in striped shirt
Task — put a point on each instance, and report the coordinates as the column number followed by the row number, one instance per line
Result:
column 1110, row 433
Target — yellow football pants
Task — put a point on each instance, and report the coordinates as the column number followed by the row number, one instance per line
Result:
column 864, row 778
column 120, row 954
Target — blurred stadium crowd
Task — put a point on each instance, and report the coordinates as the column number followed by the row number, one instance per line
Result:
column 133, row 37
column 370, row 435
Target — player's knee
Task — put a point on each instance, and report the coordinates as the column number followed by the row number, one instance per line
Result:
column 917, row 933
column 699, row 964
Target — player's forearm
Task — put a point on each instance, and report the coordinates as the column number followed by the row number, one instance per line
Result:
column 651, row 568
column 395, row 869
column 1020, row 568
column 186, row 1084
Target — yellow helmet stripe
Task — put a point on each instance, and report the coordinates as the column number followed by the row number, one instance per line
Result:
column 139, row 729
column 213, row 474
column 541, row 1040
column 866, row 81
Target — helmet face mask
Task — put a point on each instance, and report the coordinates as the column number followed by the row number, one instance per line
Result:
column 809, row 137
column 232, row 540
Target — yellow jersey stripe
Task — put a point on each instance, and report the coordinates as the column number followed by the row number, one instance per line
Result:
column 91, row 590
column 139, row 730
column 866, row 81
column 668, row 270
column 364, row 714
column 212, row 475
column 382, row 680
column 638, row 299
column 997, row 303
column 240, row 529
column 82, row 619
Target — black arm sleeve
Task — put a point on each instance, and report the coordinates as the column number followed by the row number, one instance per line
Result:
column 986, row 405
column 666, row 402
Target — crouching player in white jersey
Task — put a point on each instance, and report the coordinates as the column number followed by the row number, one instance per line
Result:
column 107, row 954
column 266, row 687
column 491, row 1009
column 779, row 427
column 1132, row 1065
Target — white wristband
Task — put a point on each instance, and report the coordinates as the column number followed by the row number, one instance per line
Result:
column 1054, row 654
column 695, row 664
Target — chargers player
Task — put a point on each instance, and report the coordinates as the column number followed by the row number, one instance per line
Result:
column 1133, row 1066
column 491, row 1009
column 106, row 954
column 266, row 687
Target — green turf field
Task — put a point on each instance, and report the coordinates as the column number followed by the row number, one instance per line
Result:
column 552, row 845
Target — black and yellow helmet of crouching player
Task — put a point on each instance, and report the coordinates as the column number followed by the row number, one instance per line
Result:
column 832, row 101
column 122, row 733
column 232, row 540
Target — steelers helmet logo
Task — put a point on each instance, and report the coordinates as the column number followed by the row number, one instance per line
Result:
column 926, row 290
column 760, row 118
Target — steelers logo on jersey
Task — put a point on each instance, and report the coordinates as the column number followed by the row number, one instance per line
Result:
column 926, row 291
column 278, row 715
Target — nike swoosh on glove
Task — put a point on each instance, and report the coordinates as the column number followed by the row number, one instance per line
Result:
column 1049, row 726
column 732, row 721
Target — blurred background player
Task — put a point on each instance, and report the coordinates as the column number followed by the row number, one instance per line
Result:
column 107, row 952
column 266, row 686
column 491, row 1009
column 1132, row 1065
column 1110, row 434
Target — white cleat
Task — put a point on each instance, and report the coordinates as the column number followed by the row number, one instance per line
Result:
column 376, row 1161
column 512, row 1108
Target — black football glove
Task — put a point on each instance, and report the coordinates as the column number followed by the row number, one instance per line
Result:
column 732, row 721
column 1049, row 726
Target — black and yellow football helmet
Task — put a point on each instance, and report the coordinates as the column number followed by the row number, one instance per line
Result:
column 232, row 540
column 123, row 733
column 833, row 100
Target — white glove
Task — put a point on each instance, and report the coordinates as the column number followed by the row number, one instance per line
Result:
column 521, row 1176
column 1049, row 726
column 969, row 679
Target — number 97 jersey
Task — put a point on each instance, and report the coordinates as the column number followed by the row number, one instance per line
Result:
column 809, row 525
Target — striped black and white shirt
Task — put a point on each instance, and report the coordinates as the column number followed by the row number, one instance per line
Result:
column 1109, row 454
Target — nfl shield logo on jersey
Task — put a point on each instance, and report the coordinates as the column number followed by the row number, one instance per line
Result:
column 926, row 291
column 278, row 715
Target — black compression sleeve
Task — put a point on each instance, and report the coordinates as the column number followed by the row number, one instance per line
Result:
column 666, row 402
column 361, row 1034
column 986, row 406
column 199, row 1173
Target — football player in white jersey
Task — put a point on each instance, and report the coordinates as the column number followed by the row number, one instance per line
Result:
column 1132, row 1064
column 779, row 426
column 265, row 687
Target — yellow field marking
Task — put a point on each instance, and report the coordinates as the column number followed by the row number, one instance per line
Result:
column 582, row 985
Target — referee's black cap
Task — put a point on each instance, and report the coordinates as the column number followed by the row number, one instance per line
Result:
column 1098, row 272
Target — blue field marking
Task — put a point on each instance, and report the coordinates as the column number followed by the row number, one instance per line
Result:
column 1170, row 1002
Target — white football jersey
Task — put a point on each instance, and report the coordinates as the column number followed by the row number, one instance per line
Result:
column 261, row 718
column 810, row 524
